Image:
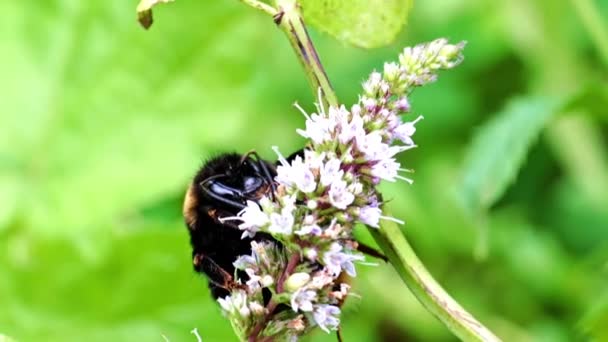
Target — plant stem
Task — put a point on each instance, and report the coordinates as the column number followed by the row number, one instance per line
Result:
column 272, row 305
column 434, row 298
column 261, row 6
column 289, row 20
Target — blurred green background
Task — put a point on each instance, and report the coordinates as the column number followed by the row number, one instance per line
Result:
column 102, row 124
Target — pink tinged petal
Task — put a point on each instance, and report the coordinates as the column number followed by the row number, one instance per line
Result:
column 386, row 169
column 337, row 261
column 312, row 229
column 339, row 196
column 370, row 216
column 369, row 104
column 313, row 159
column 405, row 131
column 331, row 172
column 302, row 299
column 352, row 130
column 326, row 317
column 302, row 176
column 244, row 261
column 281, row 223
column 402, row 105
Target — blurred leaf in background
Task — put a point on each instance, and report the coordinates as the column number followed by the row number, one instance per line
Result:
column 103, row 123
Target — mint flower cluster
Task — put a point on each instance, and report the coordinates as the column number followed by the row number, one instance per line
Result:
column 321, row 194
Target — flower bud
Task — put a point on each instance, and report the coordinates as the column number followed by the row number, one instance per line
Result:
column 312, row 204
column 391, row 71
column 256, row 308
column 311, row 254
column 451, row 54
column 296, row 281
column 266, row 281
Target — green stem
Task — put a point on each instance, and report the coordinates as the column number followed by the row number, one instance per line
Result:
column 595, row 26
column 434, row 298
column 261, row 6
column 289, row 20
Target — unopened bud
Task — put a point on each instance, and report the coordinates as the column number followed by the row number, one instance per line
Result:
column 266, row 281
column 296, row 280
column 256, row 308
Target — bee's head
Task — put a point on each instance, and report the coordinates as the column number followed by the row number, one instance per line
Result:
column 230, row 180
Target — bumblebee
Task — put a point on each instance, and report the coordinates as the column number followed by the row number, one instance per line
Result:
column 221, row 188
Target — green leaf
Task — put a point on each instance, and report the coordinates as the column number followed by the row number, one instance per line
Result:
column 499, row 149
column 593, row 99
column 363, row 23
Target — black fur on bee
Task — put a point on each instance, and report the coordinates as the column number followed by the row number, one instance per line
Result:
column 221, row 188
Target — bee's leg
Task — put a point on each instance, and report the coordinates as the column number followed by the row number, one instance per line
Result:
column 205, row 264
column 339, row 334
column 365, row 249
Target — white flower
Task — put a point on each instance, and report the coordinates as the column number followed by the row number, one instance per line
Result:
column 244, row 311
column 336, row 261
column 253, row 219
column 310, row 229
column 370, row 215
column 321, row 279
column 256, row 308
column 310, row 254
column 386, row 169
column 235, row 303
column 337, row 116
column 391, row 71
column 369, row 104
column 318, row 128
column 244, row 261
column 254, row 280
column 302, row 300
column 372, row 85
column 372, row 146
column 405, row 131
column 339, row 196
column 298, row 174
column 313, row 159
column 326, row 316
column 281, row 223
column 352, row 129
column 330, row 172
column 403, row 104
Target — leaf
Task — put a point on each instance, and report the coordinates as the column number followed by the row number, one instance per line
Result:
column 499, row 149
column 144, row 11
column 363, row 23
column 593, row 98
